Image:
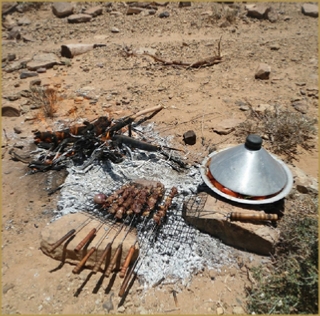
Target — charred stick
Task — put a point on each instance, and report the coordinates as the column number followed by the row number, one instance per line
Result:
column 69, row 234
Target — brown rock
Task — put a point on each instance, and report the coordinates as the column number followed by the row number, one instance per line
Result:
column 8, row 7
column 94, row 11
column 227, row 126
column 310, row 10
column 8, row 22
column 62, row 9
column 134, row 10
column 183, row 4
column 17, row 65
column 190, row 137
column 51, row 233
column 10, row 111
column 79, row 18
column 259, row 11
column 301, row 106
column 46, row 60
column 14, row 33
column 24, row 21
column 263, row 71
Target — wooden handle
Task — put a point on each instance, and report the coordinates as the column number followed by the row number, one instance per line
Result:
column 77, row 269
column 146, row 111
column 125, row 282
column 127, row 261
column 85, row 240
column 61, row 240
column 114, row 260
column 102, row 258
column 238, row 216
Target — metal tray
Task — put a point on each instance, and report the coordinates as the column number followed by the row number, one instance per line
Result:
column 285, row 191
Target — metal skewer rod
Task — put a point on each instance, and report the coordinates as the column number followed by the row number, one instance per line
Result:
column 118, row 250
column 69, row 234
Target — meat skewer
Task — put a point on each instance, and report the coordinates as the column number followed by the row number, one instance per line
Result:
column 125, row 207
column 161, row 213
column 141, row 200
column 90, row 235
column 155, row 196
column 69, row 234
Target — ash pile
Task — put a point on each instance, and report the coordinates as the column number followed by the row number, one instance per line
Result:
column 170, row 249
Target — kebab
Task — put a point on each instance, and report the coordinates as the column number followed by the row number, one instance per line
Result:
column 155, row 196
column 125, row 206
column 161, row 213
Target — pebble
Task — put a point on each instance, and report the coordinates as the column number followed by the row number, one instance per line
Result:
column 62, row 9
column 300, row 106
column 27, row 74
column 17, row 130
column 263, row 71
column 115, row 30
column 310, row 10
column 238, row 310
column 164, row 14
column 41, row 70
column 79, row 18
column 11, row 57
column 220, row 311
column 190, row 137
column 259, row 11
column 121, row 309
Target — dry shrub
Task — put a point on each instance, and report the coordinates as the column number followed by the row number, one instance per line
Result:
column 221, row 12
column 290, row 285
column 45, row 99
column 283, row 131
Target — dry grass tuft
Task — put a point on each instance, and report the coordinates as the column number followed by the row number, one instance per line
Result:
column 282, row 130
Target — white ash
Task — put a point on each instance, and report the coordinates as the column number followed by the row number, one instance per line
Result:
column 176, row 250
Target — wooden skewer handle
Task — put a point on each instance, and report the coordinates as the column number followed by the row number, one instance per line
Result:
column 85, row 240
column 113, row 260
column 238, row 216
column 61, row 240
column 102, row 258
column 77, row 269
column 127, row 261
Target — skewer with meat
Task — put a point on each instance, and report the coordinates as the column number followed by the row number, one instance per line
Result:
column 141, row 199
column 115, row 206
column 105, row 201
column 161, row 213
column 155, row 196
column 125, row 206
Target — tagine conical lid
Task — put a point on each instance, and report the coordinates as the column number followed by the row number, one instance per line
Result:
column 248, row 169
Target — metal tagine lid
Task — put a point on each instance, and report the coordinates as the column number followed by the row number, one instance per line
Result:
column 248, row 169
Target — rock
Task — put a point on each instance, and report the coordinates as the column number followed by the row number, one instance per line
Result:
column 45, row 60
column 11, row 57
column 121, row 309
column 134, row 10
column 14, row 33
column 300, row 106
column 9, row 22
column 17, row 65
column 303, row 182
column 108, row 305
column 115, row 30
column 67, row 222
column 262, row 107
column 189, row 137
column 17, row 130
column 8, row 7
column 35, row 82
column 183, row 4
column 62, row 9
column 7, row 287
column 12, row 97
column 227, row 126
column 24, row 21
column 259, row 11
column 94, row 11
column 28, row 74
column 263, row 71
column 220, row 311
column 164, row 14
column 272, row 16
column 41, row 70
column 275, row 47
column 10, row 111
column 79, row 18
column 238, row 310
column 310, row 10
column 312, row 92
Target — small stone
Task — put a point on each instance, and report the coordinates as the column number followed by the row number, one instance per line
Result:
column 115, row 30
column 8, row 7
column 244, row 108
column 226, row 126
column 300, row 106
column 79, row 18
column 220, row 311
column 286, row 18
column 259, row 11
column 262, row 107
column 10, row 111
column 94, row 11
column 275, row 47
column 62, row 9
column 263, row 71
column 190, row 137
column 24, row 21
column 272, row 16
column 12, row 97
column 164, row 14
column 28, row 74
column 17, row 130
column 133, row 10
column 43, row 60
column 14, row 33
column 238, row 310
column 183, row 4
column 41, row 70
column 11, row 57
column 121, row 309
column 310, row 10
column 8, row 22
column 35, row 82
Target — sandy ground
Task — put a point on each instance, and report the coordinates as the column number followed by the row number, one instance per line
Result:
column 194, row 99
